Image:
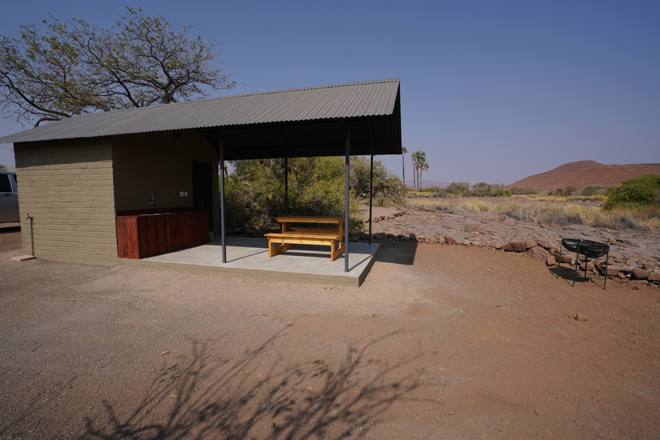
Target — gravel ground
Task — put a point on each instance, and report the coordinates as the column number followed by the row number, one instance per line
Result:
column 444, row 342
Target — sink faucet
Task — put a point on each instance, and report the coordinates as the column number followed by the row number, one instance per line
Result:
column 152, row 201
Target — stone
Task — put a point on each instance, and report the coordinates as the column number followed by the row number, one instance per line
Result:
column 565, row 258
column 621, row 275
column 380, row 235
column 441, row 240
column 515, row 246
column 589, row 266
column 614, row 269
column 413, row 237
column 546, row 245
column 363, row 236
column 578, row 317
column 640, row 274
column 530, row 244
column 538, row 253
column 655, row 276
column 497, row 244
column 551, row 260
column 466, row 242
column 450, row 241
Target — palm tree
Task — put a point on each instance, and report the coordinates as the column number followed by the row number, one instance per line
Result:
column 404, row 150
column 413, row 157
column 423, row 167
column 419, row 162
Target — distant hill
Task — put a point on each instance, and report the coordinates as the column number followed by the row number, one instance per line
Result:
column 585, row 173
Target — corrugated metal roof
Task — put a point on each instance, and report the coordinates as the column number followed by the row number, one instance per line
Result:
column 354, row 100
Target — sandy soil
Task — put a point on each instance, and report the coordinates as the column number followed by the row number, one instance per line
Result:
column 440, row 342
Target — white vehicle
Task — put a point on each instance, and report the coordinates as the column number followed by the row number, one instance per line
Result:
column 8, row 198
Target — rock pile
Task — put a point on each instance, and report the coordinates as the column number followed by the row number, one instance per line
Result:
column 634, row 255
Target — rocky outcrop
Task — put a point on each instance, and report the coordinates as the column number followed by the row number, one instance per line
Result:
column 633, row 255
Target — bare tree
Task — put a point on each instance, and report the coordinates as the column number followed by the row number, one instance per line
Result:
column 69, row 68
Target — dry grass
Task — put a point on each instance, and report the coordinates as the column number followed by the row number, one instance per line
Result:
column 550, row 212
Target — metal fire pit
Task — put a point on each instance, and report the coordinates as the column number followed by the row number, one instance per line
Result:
column 588, row 248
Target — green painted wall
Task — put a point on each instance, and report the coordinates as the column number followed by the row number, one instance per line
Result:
column 66, row 188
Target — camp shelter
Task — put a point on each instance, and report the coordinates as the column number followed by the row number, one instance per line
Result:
column 78, row 175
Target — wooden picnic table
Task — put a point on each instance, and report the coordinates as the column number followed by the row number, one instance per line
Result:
column 292, row 236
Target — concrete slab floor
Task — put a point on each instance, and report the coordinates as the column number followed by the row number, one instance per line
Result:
column 249, row 257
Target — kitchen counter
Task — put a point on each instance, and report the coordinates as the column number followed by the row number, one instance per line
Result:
column 145, row 234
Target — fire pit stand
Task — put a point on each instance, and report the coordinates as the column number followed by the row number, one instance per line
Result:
column 588, row 248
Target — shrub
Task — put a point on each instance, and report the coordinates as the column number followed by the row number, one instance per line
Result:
column 381, row 201
column 458, row 189
column 385, row 185
column 254, row 192
column 635, row 193
column 590, row 191
column 434, row 189
column 523, row 191
column 483, row 189
column 568, row 191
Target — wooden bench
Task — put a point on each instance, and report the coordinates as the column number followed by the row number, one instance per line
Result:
column 301, row 235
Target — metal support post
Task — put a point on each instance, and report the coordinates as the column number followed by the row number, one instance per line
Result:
column 286, row 185
column 222, row 196
column 371, row 191
column 346, row 203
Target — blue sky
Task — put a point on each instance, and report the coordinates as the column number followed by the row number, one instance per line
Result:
column 492, row 91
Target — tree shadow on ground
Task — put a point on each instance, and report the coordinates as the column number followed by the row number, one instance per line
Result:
column 261, row 395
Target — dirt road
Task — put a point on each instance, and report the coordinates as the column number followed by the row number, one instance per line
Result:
column 440, row 342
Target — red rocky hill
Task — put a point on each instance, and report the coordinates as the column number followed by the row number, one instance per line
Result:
column 585, row 173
